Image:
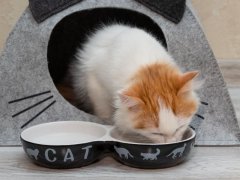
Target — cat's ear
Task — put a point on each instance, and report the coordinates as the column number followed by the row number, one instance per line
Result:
column 187, row 82
column 131, row 102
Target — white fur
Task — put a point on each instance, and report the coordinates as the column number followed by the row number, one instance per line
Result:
column 108, row 60
column 171, row 127
column 114, row 53
column 110, row 57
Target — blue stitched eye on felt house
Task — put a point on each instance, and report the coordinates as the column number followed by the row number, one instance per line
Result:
column 38, row 52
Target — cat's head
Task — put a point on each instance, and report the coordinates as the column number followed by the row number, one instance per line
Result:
column 159, row 103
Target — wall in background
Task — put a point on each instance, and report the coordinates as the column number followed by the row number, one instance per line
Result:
column 221, row 24
column 10, row 11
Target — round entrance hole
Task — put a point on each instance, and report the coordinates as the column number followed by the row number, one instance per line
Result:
column 71, row 33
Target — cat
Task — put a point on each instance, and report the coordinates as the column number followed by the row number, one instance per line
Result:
column 179, row 151
column 131, row 79
column 150, row 156
column 122, row 152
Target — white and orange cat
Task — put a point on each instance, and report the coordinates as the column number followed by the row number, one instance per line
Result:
column 132, row 79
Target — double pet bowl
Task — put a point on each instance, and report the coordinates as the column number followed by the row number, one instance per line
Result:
column 71, row 144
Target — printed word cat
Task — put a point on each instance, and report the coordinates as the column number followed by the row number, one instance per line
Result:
column 51, row 155
column 131, row 78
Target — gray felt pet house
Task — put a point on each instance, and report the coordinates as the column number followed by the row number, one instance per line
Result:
column 40, row 48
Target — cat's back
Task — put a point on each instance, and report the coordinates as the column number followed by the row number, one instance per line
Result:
column 118, row 44
column 115, row 52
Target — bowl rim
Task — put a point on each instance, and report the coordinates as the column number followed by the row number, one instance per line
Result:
column 100, row 139
column 159, row 144
column 61, row 122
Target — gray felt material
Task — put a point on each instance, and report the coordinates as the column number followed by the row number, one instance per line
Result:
column 24, row 72
column 42, row 9
column 171, row 9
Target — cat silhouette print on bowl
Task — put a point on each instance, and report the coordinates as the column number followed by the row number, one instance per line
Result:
column 71, row 144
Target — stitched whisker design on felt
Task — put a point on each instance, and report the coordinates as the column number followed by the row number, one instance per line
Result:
column 27, row 97
column 198, row 115
column 33, row 105
column 37, row 114
column 204, row 103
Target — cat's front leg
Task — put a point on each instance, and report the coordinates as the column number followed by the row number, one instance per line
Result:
column 99, row 98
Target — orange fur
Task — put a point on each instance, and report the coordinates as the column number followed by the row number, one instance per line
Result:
column 165, row 82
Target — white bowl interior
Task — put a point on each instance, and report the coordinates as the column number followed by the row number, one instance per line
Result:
column 139, row 139
column 64, row 133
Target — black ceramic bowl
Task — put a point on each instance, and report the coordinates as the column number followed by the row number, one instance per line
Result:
column 69, row 144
